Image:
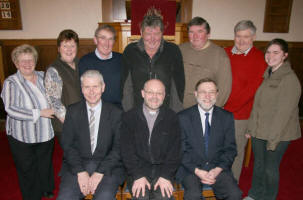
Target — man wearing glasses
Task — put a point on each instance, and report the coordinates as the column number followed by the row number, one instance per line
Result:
column 209, row 146
column 151, row 145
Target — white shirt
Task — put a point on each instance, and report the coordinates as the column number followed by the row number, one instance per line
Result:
column 235, row 51
column 202, row 116
column 97, row 112
column 99, row 56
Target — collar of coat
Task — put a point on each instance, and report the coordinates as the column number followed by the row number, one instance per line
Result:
column 285, row 68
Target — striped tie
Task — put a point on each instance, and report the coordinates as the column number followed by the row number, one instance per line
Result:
column 92, row 120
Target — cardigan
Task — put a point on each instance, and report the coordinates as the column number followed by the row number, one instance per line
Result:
column 62, row 89
column 23, row 101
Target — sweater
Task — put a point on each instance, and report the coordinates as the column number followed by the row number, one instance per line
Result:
column 211, row 62
column 247, row 73
column 111, row 71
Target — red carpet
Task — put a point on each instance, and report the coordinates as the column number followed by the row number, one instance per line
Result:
column 291, row 175
column 9, row 188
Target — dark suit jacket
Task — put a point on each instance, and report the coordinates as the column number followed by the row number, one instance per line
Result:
column 76, row 140
column 164, row 151
column 221, row 147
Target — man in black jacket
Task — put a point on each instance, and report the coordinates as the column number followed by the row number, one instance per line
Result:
column 152, row 58
column 151, row 145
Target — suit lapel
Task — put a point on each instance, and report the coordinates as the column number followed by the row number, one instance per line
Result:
column 83, row 120
column 198, row 131
column 215, row 123
column 103, row 126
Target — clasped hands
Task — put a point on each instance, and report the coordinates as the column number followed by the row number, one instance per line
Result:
column 88, row 184
column 140, row 184
column 208, row 177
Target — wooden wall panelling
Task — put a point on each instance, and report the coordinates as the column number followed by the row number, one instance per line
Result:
column 47, row 50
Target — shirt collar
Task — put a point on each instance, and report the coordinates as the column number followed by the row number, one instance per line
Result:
column 99, row 56
column 97, row 107
column 202, row 112
column 234, row 50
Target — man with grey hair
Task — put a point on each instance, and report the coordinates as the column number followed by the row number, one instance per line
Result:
column 152, row 58
column 90, row 141
column 106, row 61
column 247, row 66
column 202, row 58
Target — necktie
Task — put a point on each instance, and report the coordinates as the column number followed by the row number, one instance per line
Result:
column 92, row 121
column 207, row 132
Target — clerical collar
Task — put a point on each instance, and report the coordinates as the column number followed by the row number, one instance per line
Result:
column 99, row 56
column 235, row 51
column 151, row 112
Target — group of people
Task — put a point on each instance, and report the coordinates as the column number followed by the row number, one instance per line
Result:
column 222, row 96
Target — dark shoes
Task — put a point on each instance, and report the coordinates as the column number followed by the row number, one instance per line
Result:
column 48, row 195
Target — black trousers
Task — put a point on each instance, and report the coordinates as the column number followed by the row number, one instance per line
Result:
column 225, row 187
column 69, row 186
column 34, row 167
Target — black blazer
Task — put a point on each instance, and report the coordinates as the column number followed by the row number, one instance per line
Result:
column 76, row 139
column 222, row 146
column 164, row 151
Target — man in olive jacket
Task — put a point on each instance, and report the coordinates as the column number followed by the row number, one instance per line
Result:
column 151, row 145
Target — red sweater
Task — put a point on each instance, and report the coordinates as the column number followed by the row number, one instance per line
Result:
column 247, row 75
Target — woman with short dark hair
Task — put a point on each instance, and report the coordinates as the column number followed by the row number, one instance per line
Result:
column 61, row 78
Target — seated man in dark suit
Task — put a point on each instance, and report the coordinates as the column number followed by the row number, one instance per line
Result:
column 90, row 141
column 209, row 147
column 151, row 145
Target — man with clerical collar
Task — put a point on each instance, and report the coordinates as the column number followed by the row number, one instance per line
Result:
column 151, row 145
column 209, row 147
column 202, row 58
column 247, row 66
column 90, row 142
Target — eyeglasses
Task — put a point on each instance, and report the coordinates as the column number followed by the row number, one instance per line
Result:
column 211, row 93
column 151, row 93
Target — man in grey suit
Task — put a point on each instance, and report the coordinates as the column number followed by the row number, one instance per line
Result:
column 90, row 141
column 209, row 147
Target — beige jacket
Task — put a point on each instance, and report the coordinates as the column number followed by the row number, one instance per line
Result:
column 275, row 114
